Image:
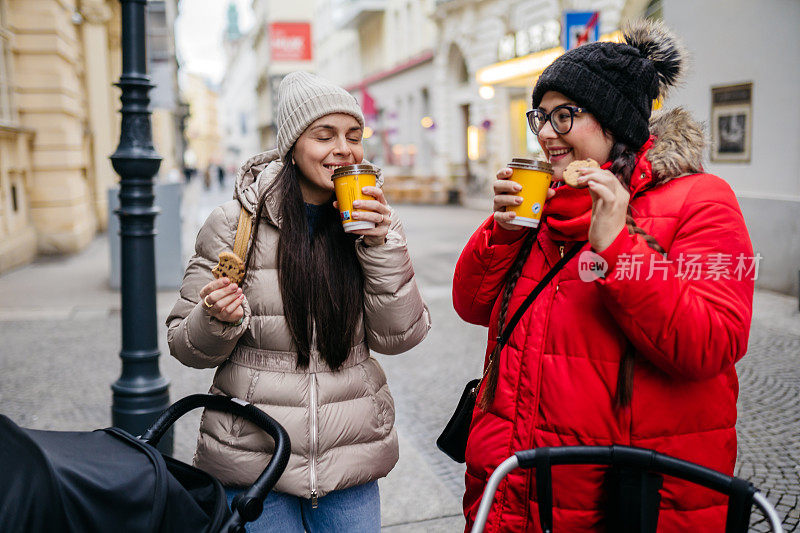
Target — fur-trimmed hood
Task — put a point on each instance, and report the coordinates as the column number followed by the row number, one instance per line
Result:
column 678, row 145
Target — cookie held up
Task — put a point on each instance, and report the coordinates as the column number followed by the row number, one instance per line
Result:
column 230, row 266
column 572, row 172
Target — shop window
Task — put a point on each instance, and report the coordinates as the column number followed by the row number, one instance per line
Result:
column 524, row 142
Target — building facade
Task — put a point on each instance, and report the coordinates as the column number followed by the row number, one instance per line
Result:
column 282, row 42
column 58, row 123
column 488, row 57
column 238, row 111
column 490, row 54
column 745, row 91
column 383, row 51
column 59, row 118
column 168, row 112
column 202, row 126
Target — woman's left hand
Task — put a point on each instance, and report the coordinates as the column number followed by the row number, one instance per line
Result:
column 609, row 206
column 376, row 211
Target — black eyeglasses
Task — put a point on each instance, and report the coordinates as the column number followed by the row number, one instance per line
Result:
column 561, row 118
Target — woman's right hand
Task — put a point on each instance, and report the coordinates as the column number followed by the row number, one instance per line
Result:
column 505, row 195
column 223, row 300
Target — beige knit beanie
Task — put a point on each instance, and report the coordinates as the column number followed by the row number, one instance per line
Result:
column 302, row 99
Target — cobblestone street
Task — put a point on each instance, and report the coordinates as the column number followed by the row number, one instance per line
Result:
column 61, row 337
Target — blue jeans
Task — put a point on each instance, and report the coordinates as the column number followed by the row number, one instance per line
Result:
column 355, row 509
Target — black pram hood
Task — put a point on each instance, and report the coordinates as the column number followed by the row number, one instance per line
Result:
column 104, row 480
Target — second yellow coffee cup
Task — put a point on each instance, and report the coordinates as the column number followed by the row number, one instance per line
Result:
column 535, row 177
column 347, row 184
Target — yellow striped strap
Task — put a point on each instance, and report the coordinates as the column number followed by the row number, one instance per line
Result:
column 243, row 234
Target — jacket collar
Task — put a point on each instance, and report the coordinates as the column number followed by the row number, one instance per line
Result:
column 253, row 178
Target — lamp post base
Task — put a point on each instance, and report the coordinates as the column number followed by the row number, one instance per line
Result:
column 134, row 408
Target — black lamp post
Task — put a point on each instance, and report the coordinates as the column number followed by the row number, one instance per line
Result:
column 141, row 393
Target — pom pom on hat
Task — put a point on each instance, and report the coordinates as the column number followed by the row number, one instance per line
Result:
column 656, row 43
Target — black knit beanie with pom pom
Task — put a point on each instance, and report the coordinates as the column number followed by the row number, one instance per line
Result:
column 617, row 82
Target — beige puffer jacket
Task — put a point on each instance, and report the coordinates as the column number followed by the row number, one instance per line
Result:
column 341, row 423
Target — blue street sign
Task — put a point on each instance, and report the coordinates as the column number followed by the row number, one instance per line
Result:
column 575, row 24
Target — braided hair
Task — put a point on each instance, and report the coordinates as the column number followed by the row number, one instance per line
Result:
column 493, row 367
column 623, row 159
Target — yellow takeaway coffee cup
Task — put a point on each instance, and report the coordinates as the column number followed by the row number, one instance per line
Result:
column 534, row 176
column 347, row 183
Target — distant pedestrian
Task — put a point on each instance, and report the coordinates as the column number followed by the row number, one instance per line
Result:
column 295, row 338
column 643, row 356
column 220, row 176
column 207, row 177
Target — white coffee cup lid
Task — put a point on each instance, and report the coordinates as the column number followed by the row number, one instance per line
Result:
column 358, row 224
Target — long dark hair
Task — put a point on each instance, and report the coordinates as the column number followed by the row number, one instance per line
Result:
column 320, row 278
column 623, row 162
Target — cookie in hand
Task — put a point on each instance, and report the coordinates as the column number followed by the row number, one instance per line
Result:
column 571, row 173
column 229, row 266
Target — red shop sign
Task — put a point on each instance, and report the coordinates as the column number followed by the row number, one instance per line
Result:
column 290, row 41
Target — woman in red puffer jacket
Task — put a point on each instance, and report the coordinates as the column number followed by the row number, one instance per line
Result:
column 643, row 356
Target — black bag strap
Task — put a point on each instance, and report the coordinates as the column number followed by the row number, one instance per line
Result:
column 502, row 339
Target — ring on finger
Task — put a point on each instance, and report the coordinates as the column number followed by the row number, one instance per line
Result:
column 205, row 302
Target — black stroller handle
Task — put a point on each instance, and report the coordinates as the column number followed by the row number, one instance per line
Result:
column 629, row 456
column 741, row 493
column 247, row 506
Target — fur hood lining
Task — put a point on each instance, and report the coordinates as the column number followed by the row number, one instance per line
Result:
column 678, row 147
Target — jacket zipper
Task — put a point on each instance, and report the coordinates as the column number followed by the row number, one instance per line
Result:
column 561, row 250
column 313, row 447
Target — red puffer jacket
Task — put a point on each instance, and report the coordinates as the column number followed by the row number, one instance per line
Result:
column 559, row 370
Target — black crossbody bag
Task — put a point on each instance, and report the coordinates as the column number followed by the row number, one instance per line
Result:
column 453, row 440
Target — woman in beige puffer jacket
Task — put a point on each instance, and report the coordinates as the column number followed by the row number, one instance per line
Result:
column 339, row 413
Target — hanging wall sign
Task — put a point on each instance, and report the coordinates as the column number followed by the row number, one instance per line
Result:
column 290, row 41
